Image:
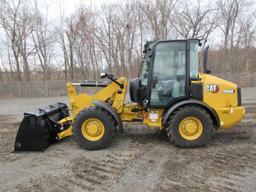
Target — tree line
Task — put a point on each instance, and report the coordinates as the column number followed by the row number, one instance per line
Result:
column 111, row 38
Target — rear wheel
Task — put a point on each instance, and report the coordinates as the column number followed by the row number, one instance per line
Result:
column 93, row 128
column 190, row 126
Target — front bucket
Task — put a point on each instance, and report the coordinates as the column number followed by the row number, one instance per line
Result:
column 39, row 129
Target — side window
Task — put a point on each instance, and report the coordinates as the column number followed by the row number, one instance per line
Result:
column 194, row 59
column 169, row 72
column 145, row 71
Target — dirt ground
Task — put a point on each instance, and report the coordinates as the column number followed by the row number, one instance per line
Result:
column 140, row 159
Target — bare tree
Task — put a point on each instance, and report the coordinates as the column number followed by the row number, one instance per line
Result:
column 61, row 39
column 71, row 33
column 193, row 21
column 25, row 28
column 246, row 37
column 67, row 32
column 157, row 17
column 18, row 23
column 43, row 40
column 104, row 34
column 229, row 11
column 247, row 31
column 9, row 21
column 85, row 44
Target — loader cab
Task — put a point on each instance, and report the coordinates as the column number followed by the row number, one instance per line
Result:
column 166, row 72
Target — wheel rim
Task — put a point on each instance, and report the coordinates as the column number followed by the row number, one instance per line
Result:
column 93, row 129
column 190, row 128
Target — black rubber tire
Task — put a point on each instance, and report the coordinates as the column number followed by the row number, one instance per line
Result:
column 177, row 116
column 104, row 117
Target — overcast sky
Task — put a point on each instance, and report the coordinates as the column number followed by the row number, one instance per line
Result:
column 69, row 6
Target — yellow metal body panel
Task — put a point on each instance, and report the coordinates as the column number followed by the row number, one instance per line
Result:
column 230, row 116
column 128, row 114
column 67, row 132
column 218, row 98
column 221, row 96
column 153, row 118
column 112, row 92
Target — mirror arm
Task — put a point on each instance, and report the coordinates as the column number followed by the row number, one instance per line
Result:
column 110, row 76
column 112, row 79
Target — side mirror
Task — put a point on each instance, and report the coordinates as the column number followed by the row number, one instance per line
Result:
column 103, row 75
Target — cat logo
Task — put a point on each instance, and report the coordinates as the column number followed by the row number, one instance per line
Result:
column 212, row 88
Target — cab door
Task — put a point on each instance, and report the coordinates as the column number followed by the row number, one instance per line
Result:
column 168, row 73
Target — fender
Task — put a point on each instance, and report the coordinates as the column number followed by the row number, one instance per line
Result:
column 112, row 111
column 209, row 109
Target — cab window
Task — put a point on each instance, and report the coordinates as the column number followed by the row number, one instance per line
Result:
column 194, row 59
column 169, row 72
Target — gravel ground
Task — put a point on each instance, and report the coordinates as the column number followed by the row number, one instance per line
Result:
column 140, row 159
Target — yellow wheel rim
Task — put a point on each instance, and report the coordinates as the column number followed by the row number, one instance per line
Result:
column 93, row 129
column 190, row 128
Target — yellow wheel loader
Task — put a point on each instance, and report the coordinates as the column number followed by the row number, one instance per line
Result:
column 169, row 94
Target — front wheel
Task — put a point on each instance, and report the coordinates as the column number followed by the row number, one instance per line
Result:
column 190, row 126
column 93, row 128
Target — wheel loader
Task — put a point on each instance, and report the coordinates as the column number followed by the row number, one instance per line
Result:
column 169, row 94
